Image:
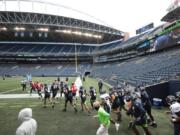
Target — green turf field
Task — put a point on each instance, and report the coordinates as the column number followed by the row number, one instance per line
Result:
column 56, row 122
column 13, row 84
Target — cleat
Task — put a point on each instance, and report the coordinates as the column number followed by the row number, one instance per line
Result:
column 64, row 110
column 148, row 121
column 53, row 106
column 117, row 126
column 89, row 113
column 75, row 110
column 154, row 124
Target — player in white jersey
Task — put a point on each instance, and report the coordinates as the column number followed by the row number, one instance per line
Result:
column 174, row 103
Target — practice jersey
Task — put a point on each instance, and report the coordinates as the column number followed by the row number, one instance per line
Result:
column 73, row 88
column 54, row 87
column 100, row 84
column 121, row 94
column 104, row 117
column 47, row 90
column 39, row 86
column 92, row 92
column 145, row 98
column 61, row 84
column 68, row 93
column 137, row 110
column 82, row 93
column 175, row 110
column 107, row 106
column 115, row 102
column 33, row 85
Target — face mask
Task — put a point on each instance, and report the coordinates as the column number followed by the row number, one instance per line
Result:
column 96, row 108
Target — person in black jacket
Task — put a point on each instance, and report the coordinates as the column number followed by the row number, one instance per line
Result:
column 100, row 84
column 147, row 106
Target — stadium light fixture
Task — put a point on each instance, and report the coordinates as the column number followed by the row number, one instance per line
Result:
column 79, row 33
column 97, row 36
column 88, row 34
column 67, row 31
column 19, row 28
column 58, row 31
column 3, row 29
column 43, row 29
column 64, row 31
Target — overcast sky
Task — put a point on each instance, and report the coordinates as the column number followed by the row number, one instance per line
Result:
column 124, row 15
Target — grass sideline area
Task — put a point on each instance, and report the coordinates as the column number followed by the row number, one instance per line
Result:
column 12, row 85
column 55, row 121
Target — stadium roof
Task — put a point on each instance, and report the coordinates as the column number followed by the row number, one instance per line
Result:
column 172, row 15
column 45, row 21
column 45, row 7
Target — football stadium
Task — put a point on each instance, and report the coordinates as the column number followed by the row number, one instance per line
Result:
column 61, row 75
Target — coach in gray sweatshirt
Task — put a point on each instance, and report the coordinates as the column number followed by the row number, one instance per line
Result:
column 28, row 125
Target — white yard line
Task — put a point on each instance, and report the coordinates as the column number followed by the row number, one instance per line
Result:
column 34, row 95
column 9, row 91
column 5, row 96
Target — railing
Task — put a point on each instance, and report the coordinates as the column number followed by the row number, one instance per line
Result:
column 40, row 6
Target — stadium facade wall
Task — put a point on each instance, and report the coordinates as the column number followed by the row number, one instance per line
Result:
column 162, row 90
column 174, row 86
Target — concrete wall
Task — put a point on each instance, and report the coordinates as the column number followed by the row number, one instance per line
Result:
column 162, row 90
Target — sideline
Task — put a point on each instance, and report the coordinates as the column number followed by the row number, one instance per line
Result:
column 10, row 90
column 4, row 96
column 34, row 95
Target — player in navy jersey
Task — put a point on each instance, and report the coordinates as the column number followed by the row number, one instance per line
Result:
column 147, row 106
column 83, row 94
column 174, row 103
column 136, row 110
column 115, row 101
column 61, row 88
column 68, row 98
column 54, row 90
column 93, row 94
column 100, row 85
column 47, row 94
column 121, row 96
